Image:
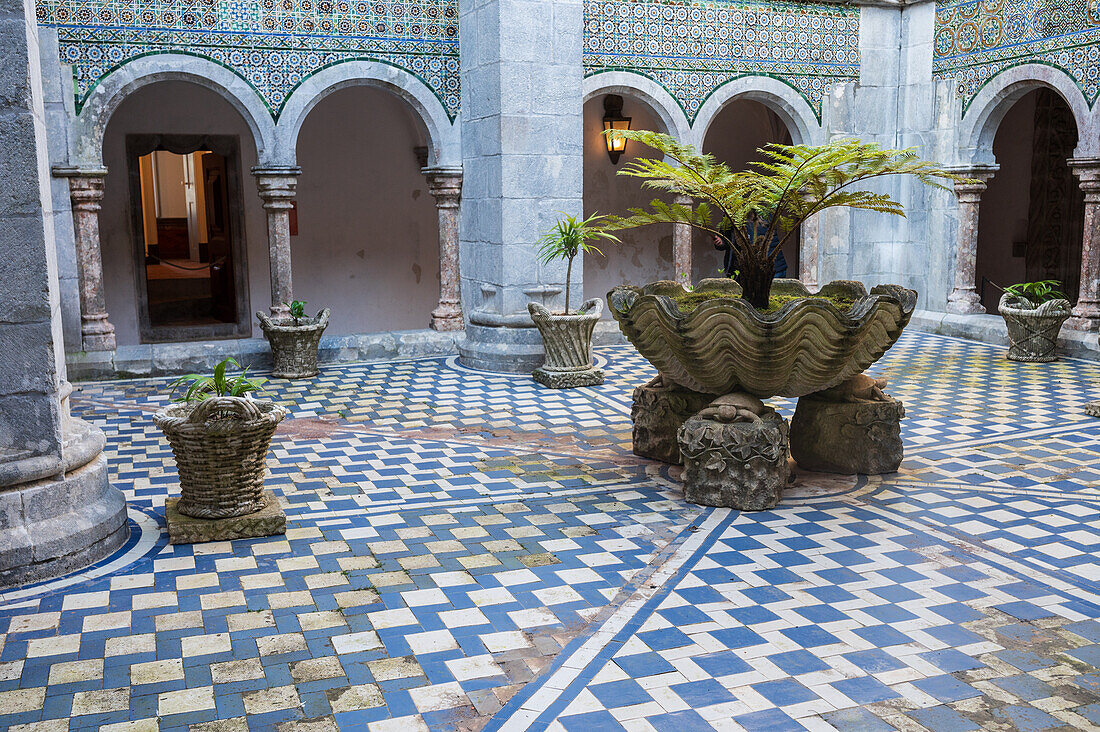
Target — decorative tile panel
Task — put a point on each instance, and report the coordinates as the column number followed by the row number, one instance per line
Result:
column 273, row 44
column 977, row 39
column 692, row 48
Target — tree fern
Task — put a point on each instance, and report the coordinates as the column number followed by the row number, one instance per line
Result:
column 790, row 184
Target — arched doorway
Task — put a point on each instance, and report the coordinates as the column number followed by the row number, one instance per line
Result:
column 644, row 254
column 1031, row 217
column 742, row 127
column 179, row 237
column 366, row 237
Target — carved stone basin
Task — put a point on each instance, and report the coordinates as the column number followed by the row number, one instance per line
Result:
column 725, row 345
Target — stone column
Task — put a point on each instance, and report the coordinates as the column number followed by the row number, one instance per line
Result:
column 86, row 193
column 278, row 186
column 445, row 185
column 682, row 245
column 522, row 162
column 1086, row 314
column 964, row 298
column 58, row 512
column 809, row 253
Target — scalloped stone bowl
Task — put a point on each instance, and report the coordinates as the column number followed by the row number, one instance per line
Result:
column 726, row 345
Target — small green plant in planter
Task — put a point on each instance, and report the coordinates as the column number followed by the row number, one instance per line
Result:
column 220, row 436
column 1034, row 313
column 294, row 340
column 571, row 237
column 567, row 337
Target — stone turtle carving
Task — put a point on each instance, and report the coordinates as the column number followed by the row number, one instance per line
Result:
column 658, row 413
column 735, row 454
column 853, row 428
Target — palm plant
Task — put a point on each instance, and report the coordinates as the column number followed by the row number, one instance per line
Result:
column 200, row 387
column 569, row 237
column 1037, row 292
column 771, row 198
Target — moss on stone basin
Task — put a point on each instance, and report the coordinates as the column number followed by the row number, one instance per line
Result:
column 688, row 301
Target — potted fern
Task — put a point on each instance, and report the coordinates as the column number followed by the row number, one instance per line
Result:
column 294, row 340
column 1034, row 313
column 567, row 337
column 220, row 436
column 758, row 334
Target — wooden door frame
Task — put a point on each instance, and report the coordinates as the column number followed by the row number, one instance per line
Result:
column 229, row 147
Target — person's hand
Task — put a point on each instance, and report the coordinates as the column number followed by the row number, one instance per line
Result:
column 717, row 241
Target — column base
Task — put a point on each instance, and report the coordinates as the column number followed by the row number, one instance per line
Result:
column 1084, row 318
column 501, row 349
column 98, row 335
column 965, row 307
column 447, row 320
column 53, row 526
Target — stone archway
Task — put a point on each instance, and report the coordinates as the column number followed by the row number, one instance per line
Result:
column 1032, row 211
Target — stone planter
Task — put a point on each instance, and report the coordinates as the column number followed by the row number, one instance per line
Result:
column 294, row 347
column 567, row 340
column 1032, row 331
column 220, row 445
column 725, row 345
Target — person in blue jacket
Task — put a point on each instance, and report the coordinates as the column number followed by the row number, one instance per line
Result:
column 752, row 229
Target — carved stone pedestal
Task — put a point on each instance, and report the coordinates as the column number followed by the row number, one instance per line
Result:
column 857, row 437
column 738, row 464
column 659, row 412
column 183, row 529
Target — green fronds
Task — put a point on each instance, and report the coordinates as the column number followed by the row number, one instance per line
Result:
column 571, row 236
column 791, row 184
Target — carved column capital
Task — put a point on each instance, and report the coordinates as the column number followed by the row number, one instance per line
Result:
column 277, row 186
column 445, row 185
column 1087, row 171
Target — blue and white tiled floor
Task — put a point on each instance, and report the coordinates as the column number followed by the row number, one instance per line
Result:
column 469, row 550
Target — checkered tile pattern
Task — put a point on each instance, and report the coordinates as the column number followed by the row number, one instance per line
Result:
column 469, row 549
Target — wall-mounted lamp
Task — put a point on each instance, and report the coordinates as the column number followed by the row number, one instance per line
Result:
column 613, row 119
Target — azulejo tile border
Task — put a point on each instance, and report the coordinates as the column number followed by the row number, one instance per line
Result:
column 977, row 39
column 693, row 48
column 272, row 45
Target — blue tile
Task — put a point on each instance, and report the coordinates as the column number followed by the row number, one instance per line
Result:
column 685, row 721
column 942, row 719
column 784, row 692
column 1024, row 660
column 1024, row 686
column 950, row 660
column 734, row 637
column 703, row 693
column 644, row 664
column 883, row 636
column 946, row 688
column 591, row 722
column 616, row 694
column 1088, row 654
column 873, row 661
column 856, row 719
column 685, row 615
column 722, row 663
column 666, row 638
column 865, row 690
column 1027, row 719
column 820, row 613
column 1024, row 610
column 798, row 662
column 810, row 636
column 1087, row 629
column 769, row 720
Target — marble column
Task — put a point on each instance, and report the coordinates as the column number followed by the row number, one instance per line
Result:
column 809, row 252
column 964, row 298
column 681, row 245
column 445, row 185
column 86, row 193
column 277, row 187
column 1086, row 314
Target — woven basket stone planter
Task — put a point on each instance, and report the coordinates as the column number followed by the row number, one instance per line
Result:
column 1032, row 331
column 220, row 445
column 725, row 345
column 567, row 340
column 294, row 347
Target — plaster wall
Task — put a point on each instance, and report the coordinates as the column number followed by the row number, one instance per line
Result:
column 170, row 107
column 368, row 233
column 645, row 254
column 1003, row 214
